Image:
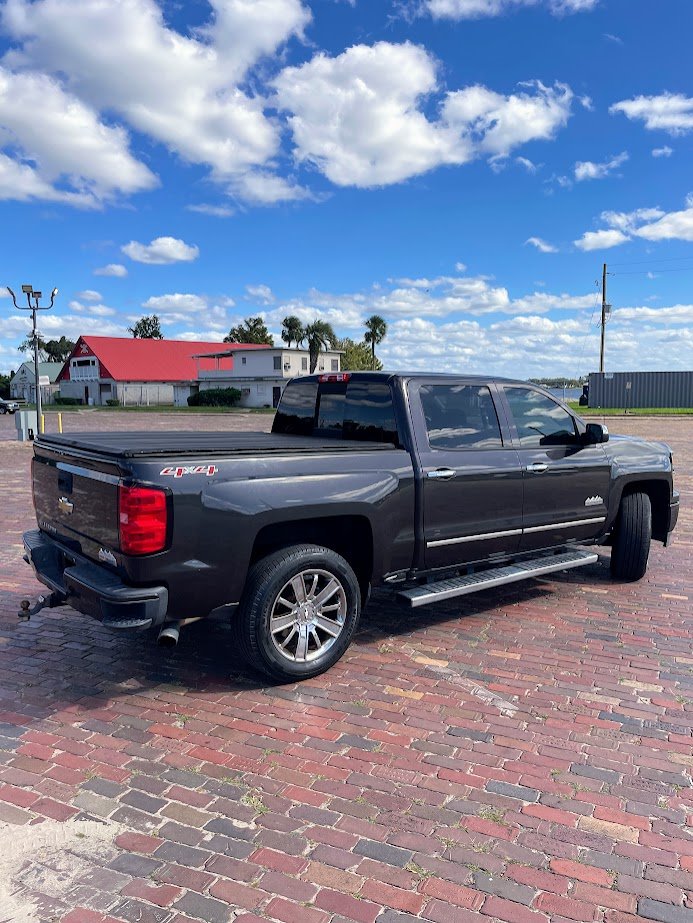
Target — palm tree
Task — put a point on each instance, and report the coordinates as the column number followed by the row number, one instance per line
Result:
column 292, row 330
column 318, row 335
column 376, row 330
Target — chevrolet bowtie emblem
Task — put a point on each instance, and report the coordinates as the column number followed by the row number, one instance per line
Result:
column 65, row 506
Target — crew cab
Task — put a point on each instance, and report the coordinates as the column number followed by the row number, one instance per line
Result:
column 7, row 406
column 431, row 485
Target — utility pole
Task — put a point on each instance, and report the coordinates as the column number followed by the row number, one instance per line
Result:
column 30, row 293
column 604, row 313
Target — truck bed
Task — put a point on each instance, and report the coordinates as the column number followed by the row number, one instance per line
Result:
column 207, row 444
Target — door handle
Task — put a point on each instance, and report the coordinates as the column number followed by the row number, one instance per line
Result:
column 441, row 474
column 537, row 467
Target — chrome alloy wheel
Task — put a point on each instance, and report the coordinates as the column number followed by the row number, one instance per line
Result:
column 308, row 615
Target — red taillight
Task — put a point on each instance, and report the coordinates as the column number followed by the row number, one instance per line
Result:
column 143, row 519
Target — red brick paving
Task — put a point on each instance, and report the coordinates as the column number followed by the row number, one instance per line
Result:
column 385, row 790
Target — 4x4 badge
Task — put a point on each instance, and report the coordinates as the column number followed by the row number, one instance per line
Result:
column 65, row 506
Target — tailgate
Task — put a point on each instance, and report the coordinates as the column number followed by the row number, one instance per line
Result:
column 76, row 501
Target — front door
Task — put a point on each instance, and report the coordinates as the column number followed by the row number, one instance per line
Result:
column 276, row 396
column 566, row 482
column 472, row 481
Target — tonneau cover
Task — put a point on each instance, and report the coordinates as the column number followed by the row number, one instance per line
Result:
column 179, row 444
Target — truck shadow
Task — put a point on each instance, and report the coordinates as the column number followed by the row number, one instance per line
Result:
column 61, row 659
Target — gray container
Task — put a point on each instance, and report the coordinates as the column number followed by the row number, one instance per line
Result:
column 628, row 390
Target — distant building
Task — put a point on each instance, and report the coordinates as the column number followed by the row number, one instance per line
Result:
column 628, row 390
column 262, row 375
column 137, row 371
column 23, row 383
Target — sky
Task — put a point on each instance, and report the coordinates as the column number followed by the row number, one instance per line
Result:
column 461, row 167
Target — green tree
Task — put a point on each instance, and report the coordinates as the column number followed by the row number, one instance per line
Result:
column 319, row 336
column 357, row 356
column 58, row 350
column 27, row 346
column 252, row 330
column 147, row 328
column 292, row 330
column 5, row 385
column 376, row 330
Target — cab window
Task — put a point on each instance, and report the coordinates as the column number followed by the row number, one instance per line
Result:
column 460, row 417
column 540, row 421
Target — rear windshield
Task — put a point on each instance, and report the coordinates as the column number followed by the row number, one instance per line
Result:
column 357, row 409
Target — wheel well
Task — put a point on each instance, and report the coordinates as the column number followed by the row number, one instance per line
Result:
column 350, row 536
column 658, row 492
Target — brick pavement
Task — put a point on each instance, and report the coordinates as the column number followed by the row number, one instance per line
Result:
column 522, row 755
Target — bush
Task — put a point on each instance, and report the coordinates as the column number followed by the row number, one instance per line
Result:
column 215, row 397
column 67, row 401
column 113, row 402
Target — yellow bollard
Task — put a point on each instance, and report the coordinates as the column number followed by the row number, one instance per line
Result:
column 43, row 423
column 60, row 423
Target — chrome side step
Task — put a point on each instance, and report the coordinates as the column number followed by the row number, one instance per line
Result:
column 496, row 576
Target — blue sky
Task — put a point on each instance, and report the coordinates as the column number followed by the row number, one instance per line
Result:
column 462, row 167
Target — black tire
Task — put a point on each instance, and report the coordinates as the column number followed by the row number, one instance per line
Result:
column 263, row 602
column 632, row 536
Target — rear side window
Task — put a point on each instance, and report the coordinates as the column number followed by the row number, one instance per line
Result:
column 460, row 417
column 357, row 409
column 296, row 413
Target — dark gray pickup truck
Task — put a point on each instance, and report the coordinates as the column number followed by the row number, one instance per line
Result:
column 433, row 485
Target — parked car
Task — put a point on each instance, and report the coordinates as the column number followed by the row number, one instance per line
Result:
column 8, row 406
column 433, row 486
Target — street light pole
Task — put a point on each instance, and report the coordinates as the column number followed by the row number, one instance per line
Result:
column 30, row 293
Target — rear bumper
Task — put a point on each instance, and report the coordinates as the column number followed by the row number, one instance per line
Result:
column 91, row 589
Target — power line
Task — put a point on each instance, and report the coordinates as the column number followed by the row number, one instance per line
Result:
column 644, row 272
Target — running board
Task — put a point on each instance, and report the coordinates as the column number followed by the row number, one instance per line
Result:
column 496, row 576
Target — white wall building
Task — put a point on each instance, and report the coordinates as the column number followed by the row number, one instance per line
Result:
column 262, row 374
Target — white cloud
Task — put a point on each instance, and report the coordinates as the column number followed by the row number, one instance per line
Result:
column 529, row 165
column 162, row 250
column 665, row 151
column 648, row 223
column 674, row 226
column 477, row 9
column 95, row 310
column 670, row 112
column 261, row 293
column 175, row 303
column 601, row 240
column 89, row 295
column 258, row 187
column 117, row 270
column 587, row 169
column 216, row 211
column 63, row 146
column 541, row 245
column 182, row 90
column 358, row 117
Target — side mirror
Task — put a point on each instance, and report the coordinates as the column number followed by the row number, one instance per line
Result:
column 595, row 434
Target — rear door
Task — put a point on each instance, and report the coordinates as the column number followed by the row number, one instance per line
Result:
column 566, row 483
column 472, row 480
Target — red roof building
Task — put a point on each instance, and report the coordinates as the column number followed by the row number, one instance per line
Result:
column 137, row 371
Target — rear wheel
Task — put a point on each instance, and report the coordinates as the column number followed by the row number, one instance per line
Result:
column 633, row 533
column 299, row 612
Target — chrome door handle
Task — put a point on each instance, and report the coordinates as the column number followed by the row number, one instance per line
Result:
column 441, row 474
column 537, row 467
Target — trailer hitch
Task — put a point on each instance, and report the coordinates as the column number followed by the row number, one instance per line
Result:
column 43, row 602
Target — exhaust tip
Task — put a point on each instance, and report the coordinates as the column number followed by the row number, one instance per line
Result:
column 168, row 636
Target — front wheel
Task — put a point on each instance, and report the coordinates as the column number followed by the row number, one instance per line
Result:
column 633, row 533
column 299, row 612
